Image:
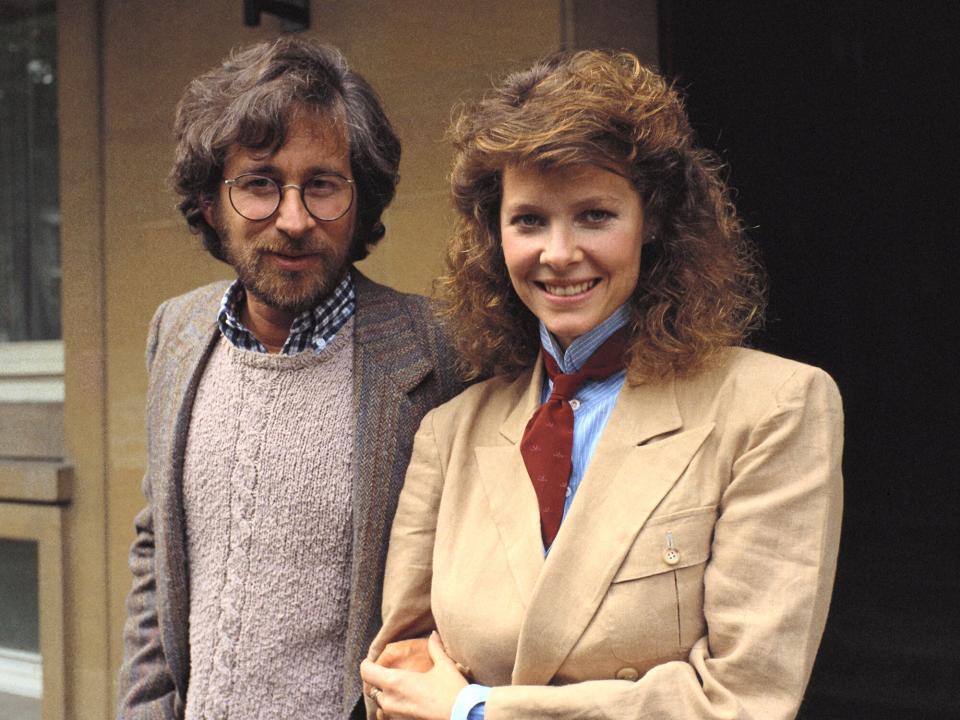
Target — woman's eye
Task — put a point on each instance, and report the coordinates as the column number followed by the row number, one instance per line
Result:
column 597, row 216
column 527, row 221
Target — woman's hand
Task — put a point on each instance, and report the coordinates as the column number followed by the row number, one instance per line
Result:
column 411, row 694
column 410, row 655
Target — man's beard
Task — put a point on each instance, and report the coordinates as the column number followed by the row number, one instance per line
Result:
column 289, row 291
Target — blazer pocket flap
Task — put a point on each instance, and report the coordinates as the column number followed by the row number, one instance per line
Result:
column 669, row 543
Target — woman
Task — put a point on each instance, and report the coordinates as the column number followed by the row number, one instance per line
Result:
column 674, row 556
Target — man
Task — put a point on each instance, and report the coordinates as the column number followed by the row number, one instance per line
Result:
column 281, row 408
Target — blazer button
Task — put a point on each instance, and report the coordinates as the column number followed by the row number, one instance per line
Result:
column 671, row 556
column 628, row 673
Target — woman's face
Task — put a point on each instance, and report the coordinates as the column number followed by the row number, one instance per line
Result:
column 571, row 240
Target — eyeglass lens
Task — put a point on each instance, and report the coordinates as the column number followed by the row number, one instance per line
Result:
column 257, row 197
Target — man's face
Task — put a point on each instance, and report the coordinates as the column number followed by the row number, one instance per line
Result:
column 290, row 260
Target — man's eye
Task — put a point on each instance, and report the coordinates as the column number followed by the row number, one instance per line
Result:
column 322, row 185
column 256, row 183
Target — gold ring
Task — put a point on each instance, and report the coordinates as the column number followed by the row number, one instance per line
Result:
column 374, row 694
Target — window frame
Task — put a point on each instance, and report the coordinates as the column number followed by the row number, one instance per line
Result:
column 43, row 524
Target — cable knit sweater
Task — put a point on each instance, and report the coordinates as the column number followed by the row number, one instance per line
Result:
column 267, row 498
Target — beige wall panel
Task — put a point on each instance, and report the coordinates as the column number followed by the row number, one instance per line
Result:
column 31, row 430
column 381, row 36
column 410, row 255
column 87, row 633
column 618, row 25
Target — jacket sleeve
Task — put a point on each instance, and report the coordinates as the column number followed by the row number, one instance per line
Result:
column 767, row 584
column 146, row 687
column 406, row 588
column 409, row 573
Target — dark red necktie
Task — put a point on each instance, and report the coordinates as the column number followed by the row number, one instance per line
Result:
column 547, row 444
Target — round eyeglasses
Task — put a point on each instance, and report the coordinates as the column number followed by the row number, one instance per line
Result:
column 256, row 197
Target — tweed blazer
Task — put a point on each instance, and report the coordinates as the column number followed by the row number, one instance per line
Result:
column 401, row 369
column 691, row 577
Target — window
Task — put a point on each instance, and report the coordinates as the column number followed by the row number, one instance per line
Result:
column 21, row 665
column 29, row 173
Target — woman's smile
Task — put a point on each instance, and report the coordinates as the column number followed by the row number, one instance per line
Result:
column 568, row 290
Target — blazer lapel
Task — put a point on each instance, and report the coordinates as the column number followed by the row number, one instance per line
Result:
column 629, row 475
column 389, row 361
column 513, row 502
column 171, row 572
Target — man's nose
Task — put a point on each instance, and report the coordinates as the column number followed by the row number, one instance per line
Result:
column 561, row 248
column 292, row 215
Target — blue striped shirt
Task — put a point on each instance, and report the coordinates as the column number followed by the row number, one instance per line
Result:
column 594, row 400
column 592, row 405
column 313, row 328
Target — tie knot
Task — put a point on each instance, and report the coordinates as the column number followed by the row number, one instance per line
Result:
column 604, row 362
column 565, row 385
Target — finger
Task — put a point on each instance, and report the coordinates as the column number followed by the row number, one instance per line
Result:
column 437, row 653
column 374, row 674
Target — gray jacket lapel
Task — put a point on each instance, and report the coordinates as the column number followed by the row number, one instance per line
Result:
column 185, row 353
column 389, row 362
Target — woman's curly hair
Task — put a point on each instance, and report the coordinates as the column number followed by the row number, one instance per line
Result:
column 700, row 288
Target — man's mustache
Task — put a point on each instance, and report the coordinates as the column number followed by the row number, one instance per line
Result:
column 289, row 246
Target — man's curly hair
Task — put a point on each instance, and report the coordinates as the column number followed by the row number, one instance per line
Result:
column 250, row 101
column 700, row 288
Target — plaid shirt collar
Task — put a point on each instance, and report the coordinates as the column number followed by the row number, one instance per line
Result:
column 313, row 328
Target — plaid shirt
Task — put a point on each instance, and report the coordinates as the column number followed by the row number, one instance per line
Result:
column 310, row 329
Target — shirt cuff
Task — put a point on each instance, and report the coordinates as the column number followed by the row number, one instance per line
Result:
column 469, row 703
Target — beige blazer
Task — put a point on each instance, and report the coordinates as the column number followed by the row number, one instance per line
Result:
column 691, row 577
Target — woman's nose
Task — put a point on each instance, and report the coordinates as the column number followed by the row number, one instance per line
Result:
column 561, row 248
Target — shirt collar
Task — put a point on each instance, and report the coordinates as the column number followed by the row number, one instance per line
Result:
column 584, row 346
column 313, row 328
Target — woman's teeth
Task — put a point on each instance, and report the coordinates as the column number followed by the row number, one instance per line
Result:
column 566, row 290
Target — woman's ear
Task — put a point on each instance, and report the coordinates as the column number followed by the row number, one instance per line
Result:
column 650, row 231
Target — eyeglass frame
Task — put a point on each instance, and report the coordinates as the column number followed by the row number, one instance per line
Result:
column 231, row 183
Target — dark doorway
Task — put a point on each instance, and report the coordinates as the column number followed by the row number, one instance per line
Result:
column 838, row 122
